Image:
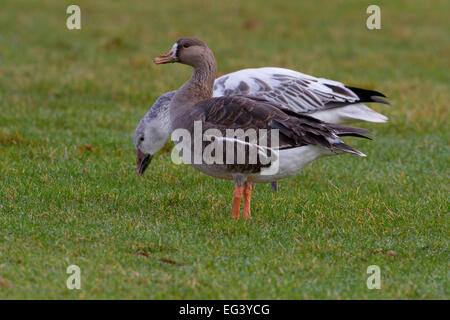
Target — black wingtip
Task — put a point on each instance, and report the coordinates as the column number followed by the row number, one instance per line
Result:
column 346, row 148
column 347, row 131
column 380, row 100
column 355, row 135
column 366, row 95
column 365, row 92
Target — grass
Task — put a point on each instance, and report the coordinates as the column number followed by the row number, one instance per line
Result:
column 70, row 101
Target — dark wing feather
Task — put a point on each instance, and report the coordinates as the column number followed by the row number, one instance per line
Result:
column 239, row 112
column 366, row 95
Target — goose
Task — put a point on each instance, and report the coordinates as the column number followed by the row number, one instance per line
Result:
column 302, row 138
column 321, row 98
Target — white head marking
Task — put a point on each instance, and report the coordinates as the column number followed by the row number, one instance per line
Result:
column 174, row 50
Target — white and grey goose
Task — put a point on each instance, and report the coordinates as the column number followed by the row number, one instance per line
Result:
column 302, row 137
column 323, row 99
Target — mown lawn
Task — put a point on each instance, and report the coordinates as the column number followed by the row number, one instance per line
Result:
column 69, row 194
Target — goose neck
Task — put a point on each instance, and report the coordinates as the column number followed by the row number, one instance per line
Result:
column 198, row 88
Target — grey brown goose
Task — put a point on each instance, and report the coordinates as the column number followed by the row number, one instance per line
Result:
column 302, row 138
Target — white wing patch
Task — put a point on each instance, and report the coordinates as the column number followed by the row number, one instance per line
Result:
column 287, row 88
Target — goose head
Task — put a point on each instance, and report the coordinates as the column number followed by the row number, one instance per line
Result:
column 152, row 132
column 189, row 50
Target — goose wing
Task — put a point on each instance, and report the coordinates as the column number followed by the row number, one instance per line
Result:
column 293, row 90
column 240, row 112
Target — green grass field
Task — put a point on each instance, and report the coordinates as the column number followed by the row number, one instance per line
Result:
column 69, row 194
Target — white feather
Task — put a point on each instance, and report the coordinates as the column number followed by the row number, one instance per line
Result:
column 350, row 113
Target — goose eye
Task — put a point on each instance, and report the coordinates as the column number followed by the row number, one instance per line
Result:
column 142, row 139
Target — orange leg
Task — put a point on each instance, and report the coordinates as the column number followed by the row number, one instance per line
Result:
column 237, row 202
column 247, row 198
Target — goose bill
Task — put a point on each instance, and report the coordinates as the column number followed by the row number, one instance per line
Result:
column 166, row 58
column 143, row 160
